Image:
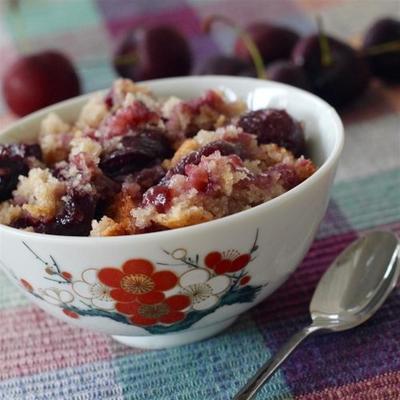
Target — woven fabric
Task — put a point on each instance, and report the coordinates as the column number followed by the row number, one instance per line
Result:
column 43, row 358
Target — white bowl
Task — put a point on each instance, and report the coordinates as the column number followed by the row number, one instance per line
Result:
column 62, row 274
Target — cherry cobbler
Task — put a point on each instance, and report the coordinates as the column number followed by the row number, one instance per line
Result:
column 134, row 163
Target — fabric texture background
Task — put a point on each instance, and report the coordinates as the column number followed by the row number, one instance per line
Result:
column 43, row 358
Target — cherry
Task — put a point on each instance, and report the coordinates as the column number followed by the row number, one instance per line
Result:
column 275, row 126
column 194, row 158
column 338, row 74
column 382, row 48
column 106, row 189
column 136, row 151
column 250, row 72
column 10, row 170
column 128, row 118
column 145, row 178
column 157, row 52
column 158, row 196
column 13, row 163
column 288, row 176
column 38, row 80
column 224, row 65
column 197, row 177
column 273, row 42
column 289, row 73
column 21, row 150
column 76, row 217
column 254, row 56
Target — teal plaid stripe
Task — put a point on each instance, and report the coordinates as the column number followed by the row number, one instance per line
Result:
column 10, row 296
column 36, row 18
column 370, row 201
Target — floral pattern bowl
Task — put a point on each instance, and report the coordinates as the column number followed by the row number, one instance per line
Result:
column 175, row 287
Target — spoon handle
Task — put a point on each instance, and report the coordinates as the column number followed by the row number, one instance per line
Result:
column 267, row 370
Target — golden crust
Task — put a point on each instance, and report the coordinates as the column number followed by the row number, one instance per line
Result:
column 179, row 217
column 271, row 154
column 9, row 213
column 107, row 227
column 184, row 149
column 53, row 131
column 304, row 168
column 120, row 212
column 41, row 193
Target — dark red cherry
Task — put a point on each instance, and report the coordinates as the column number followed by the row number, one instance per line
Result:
column 382, row 49
column 145, row 178
column 10, row 170
column 158, row 196
column 342, row 80
column 289, row 73
column 288, row 176
column 76, row 217
column 106, row 189
column 157, row 52
column 273, row 42
column 38, row 80
column 14, row 161
column 21, row 150
column 136, row 151
column 130, row 117
column 224, row 65
column 275, row 126
column 194, row 158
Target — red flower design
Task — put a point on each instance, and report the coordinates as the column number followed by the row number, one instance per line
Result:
column 230, row 261
column 66, row 275
column 70, row 313
column 26, row 285
column 167, row 311
column 245, row 280
column 137, row 282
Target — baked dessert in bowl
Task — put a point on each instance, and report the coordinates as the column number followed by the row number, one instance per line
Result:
column 138, row 166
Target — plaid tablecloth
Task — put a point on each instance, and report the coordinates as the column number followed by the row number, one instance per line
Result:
column 43, row 358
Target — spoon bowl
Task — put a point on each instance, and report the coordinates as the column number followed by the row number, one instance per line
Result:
column 348, row 294
column 357, row 283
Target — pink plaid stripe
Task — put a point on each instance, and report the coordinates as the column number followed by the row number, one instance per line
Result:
column 26, row 351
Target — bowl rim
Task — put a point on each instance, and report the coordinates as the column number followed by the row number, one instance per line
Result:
column 221, row 80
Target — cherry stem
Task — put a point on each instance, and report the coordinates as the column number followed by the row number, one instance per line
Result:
column 126, row 59
column 326, row 54
column 247, row 40
column 22, row 42
column 388, row 47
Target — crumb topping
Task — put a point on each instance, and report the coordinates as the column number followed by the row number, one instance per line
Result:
column 54, row 137
column 9, row 213
column 39, row 193
column 134, row 163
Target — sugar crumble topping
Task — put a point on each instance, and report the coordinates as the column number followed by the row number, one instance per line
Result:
column 39, row 193
column 134, row 163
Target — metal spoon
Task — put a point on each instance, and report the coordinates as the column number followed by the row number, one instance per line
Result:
column 349, row 293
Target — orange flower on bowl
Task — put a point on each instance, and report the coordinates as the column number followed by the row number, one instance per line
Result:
column 137, row 281
column 227, row 261
column 26, row 285
column 167, row 311
column 70, row 313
